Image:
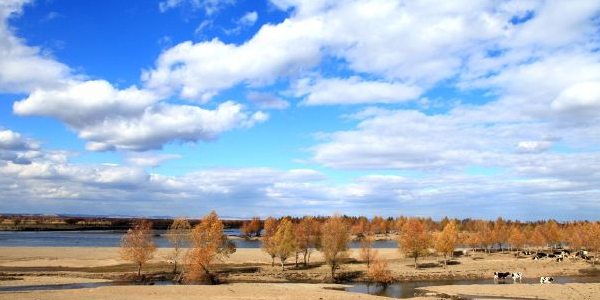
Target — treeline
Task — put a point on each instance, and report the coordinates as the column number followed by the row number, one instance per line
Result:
column 56, row 223
column 296, row 239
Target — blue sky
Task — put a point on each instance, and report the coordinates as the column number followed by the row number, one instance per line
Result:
column 177, row 107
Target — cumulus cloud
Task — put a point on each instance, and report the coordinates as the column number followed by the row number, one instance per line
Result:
column 23, row 68
column 581, row 99
column 105, row 116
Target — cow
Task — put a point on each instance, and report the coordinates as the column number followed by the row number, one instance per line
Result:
column 560, row 258
column 501, row 276
column 546, row 280
column 516, row 276
column 539, row 256
column 526, row 252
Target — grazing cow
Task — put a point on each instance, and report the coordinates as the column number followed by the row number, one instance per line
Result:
column 516, row 276
column 539, row 256
column 527, row 252
column 560, row 258
column 551, row 256
column 546, row 280
column 566, row 252
column 501, row 276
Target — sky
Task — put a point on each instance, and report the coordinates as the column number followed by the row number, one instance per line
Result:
column 426, row 108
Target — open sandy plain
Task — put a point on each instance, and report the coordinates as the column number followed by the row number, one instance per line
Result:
column 249, row 275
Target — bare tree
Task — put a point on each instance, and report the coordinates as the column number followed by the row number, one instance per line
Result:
column 268, row 244
column 137, row 245
column 209, row 244
column 284, row 240
column 335, row 236
column 178, row 235
column 415, row 239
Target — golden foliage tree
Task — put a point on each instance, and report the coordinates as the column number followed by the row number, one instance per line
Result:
column 415, row 239
column 307, row 237
column 517, row 239
column 268, row 244
column 178, row 235
column 335, row 236
column 137, row 245
column 208, row 244
column 367, row 253
column 251, row 228
column 284, row 240
column 446, row 240
column 378, row 273
column 485, row 235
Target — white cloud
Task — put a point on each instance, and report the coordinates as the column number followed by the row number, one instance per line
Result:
column 353, row 90
column 210, row 7
column 248, row 19
column 24, row 68
column 106, row 116
column 149, row 160
column 581, row 98
column 10, row 140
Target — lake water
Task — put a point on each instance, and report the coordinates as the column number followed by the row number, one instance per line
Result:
column 408, row 289
column 108, row 238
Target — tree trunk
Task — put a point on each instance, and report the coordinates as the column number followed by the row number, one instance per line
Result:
column 416, row 266
column 445, row 261
column 305, row 254
column 272, row 261
column 297, row 259
column 333, row 273
column 282, row 265
column 175, row 267
column 139, row 269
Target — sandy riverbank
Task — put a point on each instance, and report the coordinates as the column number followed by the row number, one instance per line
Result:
column 569, row 291
column 21, row 266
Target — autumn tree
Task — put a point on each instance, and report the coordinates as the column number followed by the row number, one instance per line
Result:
column 208, row 244
column 251, row 228
column 500, row 233
column 361, row 227
column 537, row 237
column 335, row 236
column 517, row 239
column 446, row 240
column 178, row 235
column 307, row 237
column 415, row 239
column 268, row 244
column 378, row 273
column 367, row 253
column 137, row 245
column 284, row 241
column 485, row 235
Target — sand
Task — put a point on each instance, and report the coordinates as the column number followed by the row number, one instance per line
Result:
column 569, row 291
column 226, row 291
column 56, row 265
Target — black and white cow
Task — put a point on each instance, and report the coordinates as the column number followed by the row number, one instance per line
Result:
column 501, row 276
column 546, row 280
column 539, row 256
column 517, row 276
column 560, row 258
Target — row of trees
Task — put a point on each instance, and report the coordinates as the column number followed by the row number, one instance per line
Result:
column 287, row 238
column 200, row 246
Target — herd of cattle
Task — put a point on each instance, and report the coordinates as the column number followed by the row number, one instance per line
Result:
column 558, row 255
column 501, row 276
